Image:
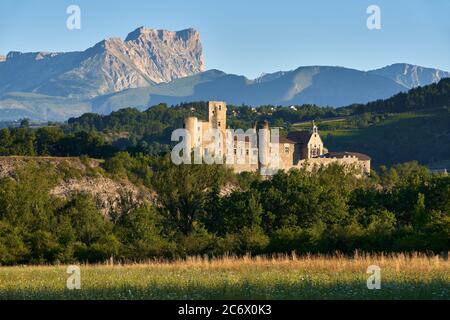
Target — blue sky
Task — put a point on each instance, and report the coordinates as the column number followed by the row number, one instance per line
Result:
column 247, row 36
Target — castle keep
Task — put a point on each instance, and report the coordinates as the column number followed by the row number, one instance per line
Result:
column 245, row 152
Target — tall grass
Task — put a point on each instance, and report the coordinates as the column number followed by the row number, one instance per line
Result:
column 403, row 276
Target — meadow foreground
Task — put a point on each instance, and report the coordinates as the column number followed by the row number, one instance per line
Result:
column 309, row 277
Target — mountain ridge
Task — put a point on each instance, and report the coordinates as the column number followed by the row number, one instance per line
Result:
column 320, row 85
column 146, row 57
column 152, row 66
column 411, row 76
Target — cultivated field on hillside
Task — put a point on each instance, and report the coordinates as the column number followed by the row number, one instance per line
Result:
column 397, row 139
column 309, row 277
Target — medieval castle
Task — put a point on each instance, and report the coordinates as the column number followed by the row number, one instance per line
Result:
column 300, row 149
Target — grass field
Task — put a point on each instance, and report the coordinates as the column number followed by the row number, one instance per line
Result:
column 310, row 277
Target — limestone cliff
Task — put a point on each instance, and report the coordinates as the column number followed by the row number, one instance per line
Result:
column 144, row 58
column 111, row 195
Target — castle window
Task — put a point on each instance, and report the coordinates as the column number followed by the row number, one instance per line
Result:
column 235, row 151
column 219, row 124
column 286, row 149
column 247, row 152
column 220, row 108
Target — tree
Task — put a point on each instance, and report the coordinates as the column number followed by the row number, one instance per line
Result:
column 183, row 190
column 240, row 210
column 25, row 123
column 47, row 139
column 141, row 233
column 420, row 214
column 95, row 240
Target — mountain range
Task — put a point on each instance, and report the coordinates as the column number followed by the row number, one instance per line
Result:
column 160, row 66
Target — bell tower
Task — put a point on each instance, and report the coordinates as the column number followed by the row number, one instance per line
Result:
column 315, row 129
column 315, row 144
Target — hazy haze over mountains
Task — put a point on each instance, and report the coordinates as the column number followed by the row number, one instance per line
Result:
column 154, row 66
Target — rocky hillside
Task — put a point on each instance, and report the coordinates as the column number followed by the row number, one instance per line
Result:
column 144, row 58
column 78, row 176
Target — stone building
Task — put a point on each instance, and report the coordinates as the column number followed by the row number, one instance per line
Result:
column 260, row 149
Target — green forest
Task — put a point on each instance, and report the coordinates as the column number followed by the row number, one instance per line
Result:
column 209, row 210
column 404, row 208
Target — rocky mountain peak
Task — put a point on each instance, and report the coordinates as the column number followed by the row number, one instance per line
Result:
column 156, row 56
column 146, row 57
column 411, row 76
column 184, row 35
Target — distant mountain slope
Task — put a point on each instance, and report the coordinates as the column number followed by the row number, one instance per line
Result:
column 321, row 85
column 146, row 57
column 158, row 66
column 19, row 105
column 332, row 86
column 430, row 97
column 411, row 76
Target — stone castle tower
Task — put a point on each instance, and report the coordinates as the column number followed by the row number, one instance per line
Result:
column 300, row 149
column 217, row 115
column 217, row 119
